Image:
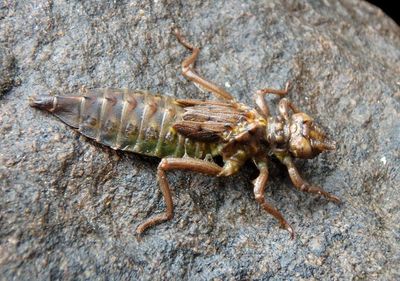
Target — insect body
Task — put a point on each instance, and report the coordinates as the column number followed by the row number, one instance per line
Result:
column 186, row 134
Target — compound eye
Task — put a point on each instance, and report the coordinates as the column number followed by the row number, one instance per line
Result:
column 300, row 147
column 295, row 129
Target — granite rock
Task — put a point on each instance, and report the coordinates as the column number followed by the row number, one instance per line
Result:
column 69, row 206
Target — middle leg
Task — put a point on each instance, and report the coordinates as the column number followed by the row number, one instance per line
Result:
column 259, row 188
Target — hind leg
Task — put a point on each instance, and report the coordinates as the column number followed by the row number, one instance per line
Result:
column 189, row 73
column 167, row 164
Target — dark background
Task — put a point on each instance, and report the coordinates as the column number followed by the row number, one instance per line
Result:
column 389, row 7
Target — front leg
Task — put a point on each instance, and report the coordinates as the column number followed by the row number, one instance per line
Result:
column 259, row 188
column 301, row 184
column 260, row 100
column 167, row 164
column 284, row 106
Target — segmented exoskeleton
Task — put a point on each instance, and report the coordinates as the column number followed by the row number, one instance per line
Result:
column 186, row 134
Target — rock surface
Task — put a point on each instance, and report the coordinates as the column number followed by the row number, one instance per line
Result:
column 69, row 207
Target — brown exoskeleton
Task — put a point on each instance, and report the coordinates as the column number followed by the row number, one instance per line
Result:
column 186, row 134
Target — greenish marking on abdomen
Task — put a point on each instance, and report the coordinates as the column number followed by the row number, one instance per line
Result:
column 128, row 120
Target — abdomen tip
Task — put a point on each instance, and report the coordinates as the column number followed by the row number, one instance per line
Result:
column 45, row 102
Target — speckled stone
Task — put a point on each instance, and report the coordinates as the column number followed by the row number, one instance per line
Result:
column 69, row 207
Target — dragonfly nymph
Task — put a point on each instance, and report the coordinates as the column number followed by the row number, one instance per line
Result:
column 187, row 133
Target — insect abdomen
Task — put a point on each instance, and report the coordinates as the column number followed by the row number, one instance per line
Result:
column 128, row 120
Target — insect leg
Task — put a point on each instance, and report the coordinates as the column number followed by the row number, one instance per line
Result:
column 233, row 164
column 259, row 188
column 260, row 100
column 275, row 91
column 167, row 164
column 189, row 73
column 302, row 185
column 284, row 106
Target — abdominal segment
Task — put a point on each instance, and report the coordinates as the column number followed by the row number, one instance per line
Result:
column 127, row 120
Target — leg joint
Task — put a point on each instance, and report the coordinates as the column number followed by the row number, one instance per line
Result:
column 163, row 165
column 304, row 187
column 260, row 198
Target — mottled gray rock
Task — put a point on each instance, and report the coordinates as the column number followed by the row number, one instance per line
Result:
column 7, row 70
column 69, row 207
